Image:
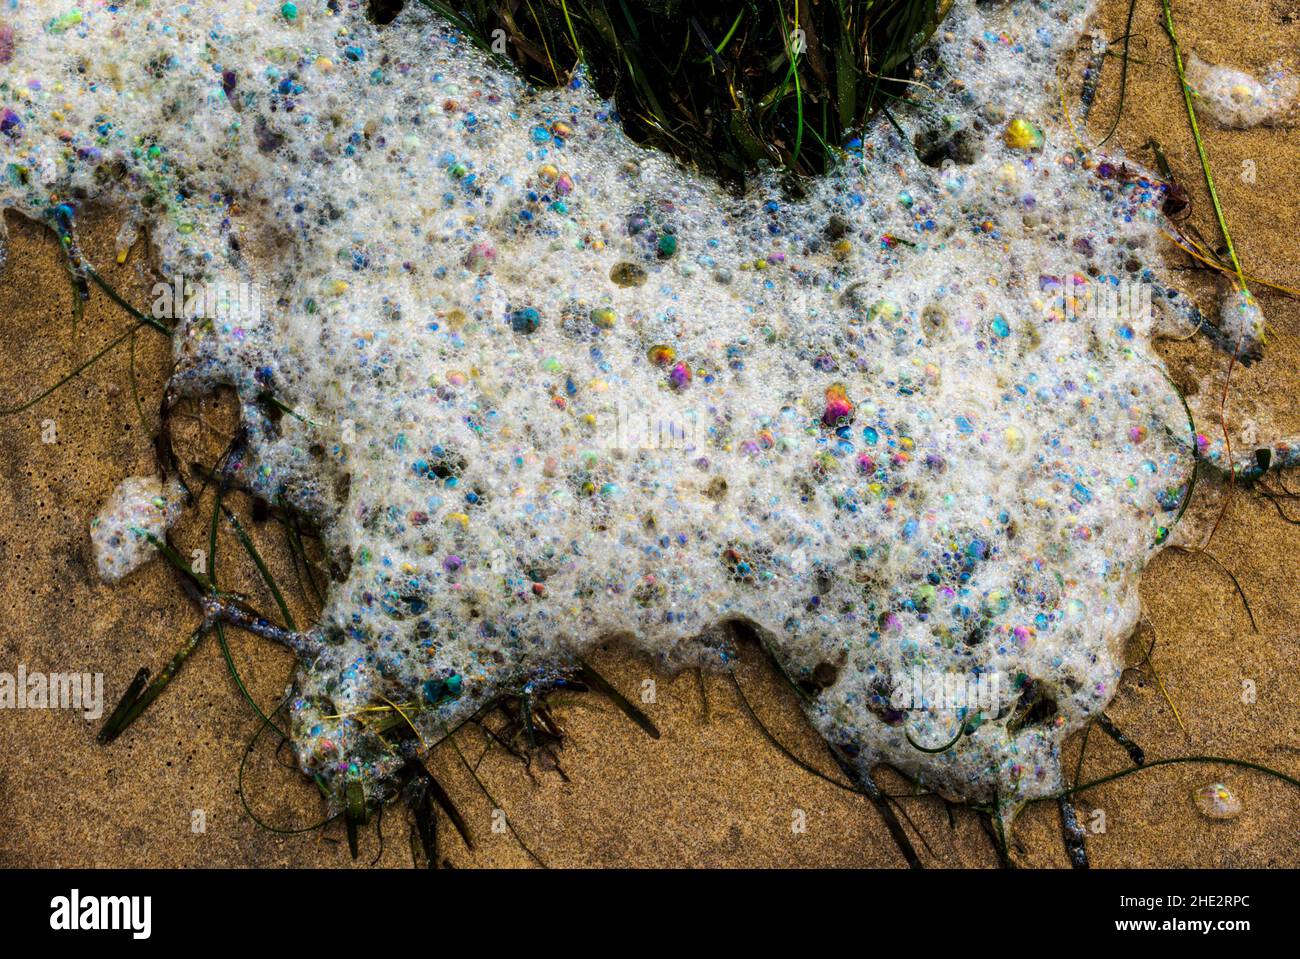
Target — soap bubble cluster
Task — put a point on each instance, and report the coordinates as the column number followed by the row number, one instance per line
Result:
column 902, row 442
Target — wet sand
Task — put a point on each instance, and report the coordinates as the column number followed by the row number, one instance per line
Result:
column 712, row 791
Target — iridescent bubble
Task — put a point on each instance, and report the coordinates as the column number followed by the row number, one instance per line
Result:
column 838, row 405
column 1217, row 801
column 1023, row 135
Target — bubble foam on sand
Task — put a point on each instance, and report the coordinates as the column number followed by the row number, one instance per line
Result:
column 551, row 388
column 135, row 518
column 1236, row 99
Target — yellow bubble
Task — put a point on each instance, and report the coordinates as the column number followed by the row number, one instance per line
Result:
column 1023, row 135
column 661, row 355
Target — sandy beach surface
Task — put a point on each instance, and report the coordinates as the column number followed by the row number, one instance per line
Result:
column 713, row 790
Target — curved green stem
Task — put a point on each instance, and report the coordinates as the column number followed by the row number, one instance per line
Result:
column 1200, row 146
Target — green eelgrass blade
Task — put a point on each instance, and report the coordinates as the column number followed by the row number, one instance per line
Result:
column 10, row 410
column 961, row 731
column 495, row 805
column 783, row 748
column 262, row 569
column 467, row 26
column 133, row 690
column 142, row 702
column 78, row 304
column 294, row 535
column 593, row 679
column 116, row 298
column 175, row 558
column 444, row 801
column 135, row 388
column 860, row 777
column 283, row 407
column 243, row 799
column 726, row 105
column 425, row 829
column 1200, row 145
column 437, row 794
column 1123, row 75
column 1181, row 760
column 221, row 633
column 572, row 33
column 354, row 806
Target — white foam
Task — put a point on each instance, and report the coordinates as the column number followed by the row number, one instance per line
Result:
column 134, row 518
column 1238, row 100
column 1013, row 452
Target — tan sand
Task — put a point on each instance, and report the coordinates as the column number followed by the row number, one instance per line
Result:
column 711, row 791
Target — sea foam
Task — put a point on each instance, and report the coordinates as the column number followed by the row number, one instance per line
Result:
column 549, row 387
